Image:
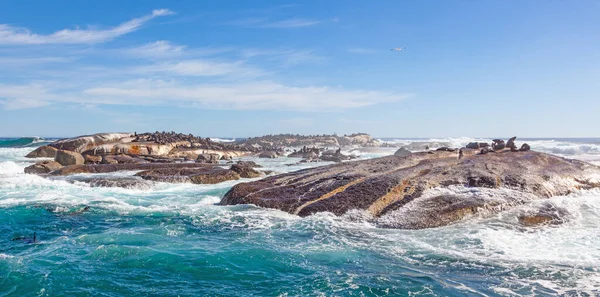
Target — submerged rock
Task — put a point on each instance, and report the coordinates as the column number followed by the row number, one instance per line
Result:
column 245, row 171
column 385, row 185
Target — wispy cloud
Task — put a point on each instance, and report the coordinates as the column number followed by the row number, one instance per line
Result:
column 279, row 24
column 196, row 67
column 22, row 36
column 258, row 95
column 287, row 57
column 163, row 49
column 291, row 23
column 157, row 49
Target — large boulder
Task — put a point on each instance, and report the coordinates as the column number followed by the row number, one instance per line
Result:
column 402, row 152
column 422, row 190
column 43, row 152
column 43, row 167
column 67, row 158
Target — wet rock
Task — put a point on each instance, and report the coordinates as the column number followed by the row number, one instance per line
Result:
column 107, row 168
column 245, row 171
column 67, row 158
column 113, row 182
column 250, row 164
column 385, row 185
column 43, row 167
column 43, row 152
column 268, row 155
column 402, row 152
column 547, row 215
column 206, row 175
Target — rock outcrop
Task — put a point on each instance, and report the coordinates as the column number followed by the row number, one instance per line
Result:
column 43, row 167
column 206, row 175
column 43, row 152
column 403, row 192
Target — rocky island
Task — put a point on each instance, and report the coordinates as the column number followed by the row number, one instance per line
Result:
column 410, row 190
column 424, row 189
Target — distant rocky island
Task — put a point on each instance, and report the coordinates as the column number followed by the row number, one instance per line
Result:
column 296, row 140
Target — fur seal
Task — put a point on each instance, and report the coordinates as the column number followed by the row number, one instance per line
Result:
column 26, row 239
column 525, row 147
column 511, row 144
column 460, row 154
column 498, row 144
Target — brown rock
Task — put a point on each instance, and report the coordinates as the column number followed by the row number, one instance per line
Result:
column 43, row 152
column 43, row 167
column 67, row 158
column 90, row 159
column 268, row 155
column 245, row 171
column 208, row 158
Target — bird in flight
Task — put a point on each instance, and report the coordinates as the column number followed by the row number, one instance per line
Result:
column 397, row 49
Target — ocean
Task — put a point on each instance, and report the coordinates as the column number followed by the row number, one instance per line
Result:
column 172, row 240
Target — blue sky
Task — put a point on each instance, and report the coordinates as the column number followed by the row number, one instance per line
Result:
column 247, row 68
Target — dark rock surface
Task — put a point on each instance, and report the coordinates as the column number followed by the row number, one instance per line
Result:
column 390, row 185
column 43, row 152
column 206, row 175
column 208, row 158
column 245, row 171
column 268, row 155
column 106, row 168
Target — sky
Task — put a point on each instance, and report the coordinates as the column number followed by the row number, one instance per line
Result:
column 248, row 68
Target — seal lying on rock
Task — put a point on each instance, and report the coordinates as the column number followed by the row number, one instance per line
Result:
column 498, row 144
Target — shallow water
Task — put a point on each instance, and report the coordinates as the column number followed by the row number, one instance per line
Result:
column 172, row 240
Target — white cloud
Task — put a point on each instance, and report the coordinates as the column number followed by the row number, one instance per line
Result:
column 280, row 24
column 157, row 49
column 197, row 67
column 261, row 95
column 291, row 23
column 22, row 36
column 287, row 57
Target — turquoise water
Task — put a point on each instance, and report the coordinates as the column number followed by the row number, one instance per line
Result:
column 172, row 240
